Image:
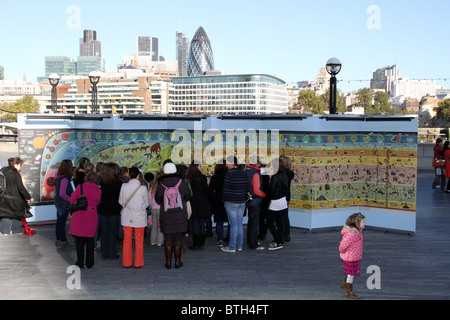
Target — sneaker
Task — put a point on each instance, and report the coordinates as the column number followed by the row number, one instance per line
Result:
column 259, row 248
column 226, row 249
column 239, row 249
column 276, row 247
column 220, row 243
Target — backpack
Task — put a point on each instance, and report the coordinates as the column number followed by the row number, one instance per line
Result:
column 172, row 197
column 2, row 183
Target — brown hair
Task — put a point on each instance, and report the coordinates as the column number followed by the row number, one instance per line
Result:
column 355, row 220
column 91, row 176
column 110, row 172
column 13, row 161
column 65, row 169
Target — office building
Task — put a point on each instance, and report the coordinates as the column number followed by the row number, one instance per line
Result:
column 182, row 53
column 87, row 64
column 63, row 66
column 89, row 45
column 148, row 46
column 200, row 59
column 222, row 94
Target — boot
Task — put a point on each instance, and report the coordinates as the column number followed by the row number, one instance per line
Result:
column 344, row 282
column 195, row 242
column 168, row 251
column 349, row 291
column 178, row 263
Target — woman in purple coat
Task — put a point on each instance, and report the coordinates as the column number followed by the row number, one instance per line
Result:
column 84, row 222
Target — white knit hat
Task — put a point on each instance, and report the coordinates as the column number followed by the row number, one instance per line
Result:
column 170, row 168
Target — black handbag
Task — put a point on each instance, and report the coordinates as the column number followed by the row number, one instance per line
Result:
column 81, row 204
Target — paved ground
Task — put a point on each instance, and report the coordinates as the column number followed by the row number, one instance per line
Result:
column 412, row 266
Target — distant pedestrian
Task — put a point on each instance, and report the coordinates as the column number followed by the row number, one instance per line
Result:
column 446, row 150
column 439, row 175
column 134, row 200
column 64, row 187
column 15, row 199
column 171, row 194
column 109, row 210
column 351, row 250
column 84, row 222
column 215, row 189
column 253, row 172
column 201, row 207
column 235, row 190
column 156, row 235
column 278, row 206
column 290, row 174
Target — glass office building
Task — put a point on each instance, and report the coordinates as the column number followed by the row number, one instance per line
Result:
column 200, row 57
column 225, row 94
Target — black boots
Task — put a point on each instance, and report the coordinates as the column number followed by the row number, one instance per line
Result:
column 168, row 251
column 178, row 263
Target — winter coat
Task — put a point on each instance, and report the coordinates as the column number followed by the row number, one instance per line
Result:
column 84, row 222
column 109, row 205
column 447, row 163
column 172, row 220
column 14, row 200
column 279, row 186
column 201, row 207
column 351, row 246
column 134, row 214
column 215, row 191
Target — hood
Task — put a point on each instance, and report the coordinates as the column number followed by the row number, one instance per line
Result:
column 346, row 229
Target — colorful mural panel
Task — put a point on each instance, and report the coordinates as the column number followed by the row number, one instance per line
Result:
column 332, row 170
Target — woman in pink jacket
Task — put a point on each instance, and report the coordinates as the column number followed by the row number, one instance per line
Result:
column 84, row 223
column 351, row 249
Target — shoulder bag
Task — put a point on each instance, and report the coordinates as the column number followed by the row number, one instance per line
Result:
column 130, row 199
column 81, row 204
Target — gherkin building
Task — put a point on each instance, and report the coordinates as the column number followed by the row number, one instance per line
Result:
column 200, row 57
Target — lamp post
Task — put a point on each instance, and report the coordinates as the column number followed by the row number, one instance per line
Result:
column 333, row 68
column 94, row 77
column 54, row 81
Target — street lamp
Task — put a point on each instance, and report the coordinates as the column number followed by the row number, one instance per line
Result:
column 333, row 68
column 94, row 77
column 54, row 81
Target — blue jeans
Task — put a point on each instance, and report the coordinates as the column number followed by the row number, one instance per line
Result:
column 235, row 213
column 62, row 212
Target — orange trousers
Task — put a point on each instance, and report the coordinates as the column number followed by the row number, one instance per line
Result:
column 127, row 259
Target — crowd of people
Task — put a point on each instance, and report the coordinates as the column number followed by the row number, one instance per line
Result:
column 441, row 164
column 179, row 202
column 120, row 204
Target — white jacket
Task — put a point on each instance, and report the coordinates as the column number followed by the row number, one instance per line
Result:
column 135, row 213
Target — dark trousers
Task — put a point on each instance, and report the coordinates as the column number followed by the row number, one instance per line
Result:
column 82, row 260
column 253, row 226
column 276, row 224
column 109, row 227
column 62, row 212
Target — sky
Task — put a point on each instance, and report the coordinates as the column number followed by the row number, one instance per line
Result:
column 290, row 39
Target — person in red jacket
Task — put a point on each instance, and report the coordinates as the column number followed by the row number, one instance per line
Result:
column 351, row 249
column 438, row 166
column 84, row 223
column 446, row 150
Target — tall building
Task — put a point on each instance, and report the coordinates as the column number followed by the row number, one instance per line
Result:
column 63, row 66
column 222, row 94
column 86, row 65
column 384, row 78
column 200, row 59
column 182, row 53
column 89, row 45
column 148, row 46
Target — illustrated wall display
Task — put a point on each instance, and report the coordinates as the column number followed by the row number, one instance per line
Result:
column 332, row 170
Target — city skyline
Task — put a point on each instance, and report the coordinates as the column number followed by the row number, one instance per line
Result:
column 288, row 39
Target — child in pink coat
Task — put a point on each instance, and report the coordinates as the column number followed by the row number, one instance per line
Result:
column 351, row 249
column 84, row 223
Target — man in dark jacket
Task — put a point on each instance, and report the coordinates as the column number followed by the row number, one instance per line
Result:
column 15, row 199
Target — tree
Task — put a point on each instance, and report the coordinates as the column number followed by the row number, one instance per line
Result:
column 382, row 103
column 364, row 98
column 443, row 111
column 26, row 104
column 340, row 104
column 311, row 102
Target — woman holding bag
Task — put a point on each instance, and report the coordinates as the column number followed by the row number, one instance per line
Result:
column 134, row 199
column 84, row 222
